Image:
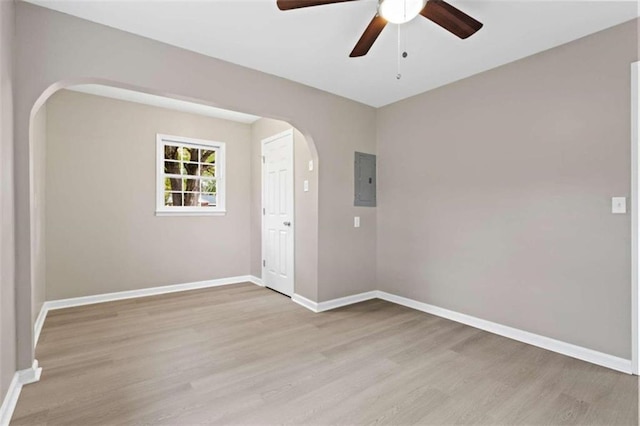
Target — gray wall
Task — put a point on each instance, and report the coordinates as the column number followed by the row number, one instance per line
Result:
column 100, row 247
column 495, row 194
column 38, row 223
column 7, row 282
column 102, row 234
column 306, row 207
column 66, row 50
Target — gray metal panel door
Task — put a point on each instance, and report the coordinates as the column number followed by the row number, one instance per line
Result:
column 365, row 180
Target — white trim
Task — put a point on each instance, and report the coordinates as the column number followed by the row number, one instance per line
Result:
column 10, row 401
column 257, row 281
column 568, row 349
column 37, row 326
column 30, row 375
column 333, row 303
column 131, row 294
column 220, row 178
column 20, row 378
column 287, row 133
column 190, row 213
column 348, row 300
column 152, row 291
column 635, row 213
column 307, row 303
column 574, row 351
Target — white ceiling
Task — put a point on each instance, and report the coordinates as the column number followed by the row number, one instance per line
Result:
column 162, row 102
column 312, row 45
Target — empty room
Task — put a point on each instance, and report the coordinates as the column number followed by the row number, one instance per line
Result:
column 324, row 212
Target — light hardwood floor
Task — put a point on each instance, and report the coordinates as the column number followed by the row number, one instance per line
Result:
column 242, row 354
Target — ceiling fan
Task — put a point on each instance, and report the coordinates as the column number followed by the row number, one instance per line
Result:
column 399, row 12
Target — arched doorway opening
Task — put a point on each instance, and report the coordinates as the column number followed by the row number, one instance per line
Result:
column 91, row 187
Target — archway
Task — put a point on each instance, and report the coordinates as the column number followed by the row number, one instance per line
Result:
column 57, row 50
column 306, row 255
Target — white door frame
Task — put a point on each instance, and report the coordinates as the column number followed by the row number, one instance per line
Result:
column 288, row 132
column 635, row 216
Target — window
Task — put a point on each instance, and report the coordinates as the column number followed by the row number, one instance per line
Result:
column 190, row 176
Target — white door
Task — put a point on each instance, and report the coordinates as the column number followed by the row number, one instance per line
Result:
column 277, row 203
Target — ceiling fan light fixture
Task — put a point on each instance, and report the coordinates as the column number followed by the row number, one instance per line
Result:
column 400, row 11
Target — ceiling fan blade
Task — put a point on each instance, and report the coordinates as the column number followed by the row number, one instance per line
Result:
column 298, row 4
column 451, row 19
column 369, row 36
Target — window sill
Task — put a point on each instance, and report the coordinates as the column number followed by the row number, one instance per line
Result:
column 192, row 213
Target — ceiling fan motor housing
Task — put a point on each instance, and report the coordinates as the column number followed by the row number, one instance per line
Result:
column 400, row 11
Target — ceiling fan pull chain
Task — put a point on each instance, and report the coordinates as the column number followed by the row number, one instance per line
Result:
column 399, row 75
column 406, row 43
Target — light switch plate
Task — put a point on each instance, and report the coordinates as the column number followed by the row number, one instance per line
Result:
column 310, row 165
column 618, row 205
column 306, row 186
column 356, row 222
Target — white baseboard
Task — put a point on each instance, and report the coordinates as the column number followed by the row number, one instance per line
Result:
column 307, row 303
column 20, row 378
column 256, row 280
column 568, row 349
column 334, row 303
column 143, row 292
column 574, row 351
column 37, row 326
column 131, row 294
column 30, row 375
column 348, row 300
column 10, row 401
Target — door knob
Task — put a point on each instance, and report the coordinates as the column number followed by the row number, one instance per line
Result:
column 286, row 223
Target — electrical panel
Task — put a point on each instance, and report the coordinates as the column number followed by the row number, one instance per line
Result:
column 365, row 180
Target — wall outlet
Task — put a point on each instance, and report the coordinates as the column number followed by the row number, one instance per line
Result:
column 356, row 222
column 310, row 165
column 306, row 186
column 618, row 205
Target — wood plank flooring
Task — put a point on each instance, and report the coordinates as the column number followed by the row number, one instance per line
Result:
column 242, row 354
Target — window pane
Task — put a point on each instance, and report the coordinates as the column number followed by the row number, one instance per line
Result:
column 208, row 185
column 207, row 156
column 208, row 170
column 172, row 167
column 191, row 199
column 188, row 154
column 173, row 199
column 191, row 185
column 171, row 184
column 171, row 152
column 179, row 168
column 208, row 199
column 191, row 169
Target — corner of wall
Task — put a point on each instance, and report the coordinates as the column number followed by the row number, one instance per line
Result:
column 8, row 362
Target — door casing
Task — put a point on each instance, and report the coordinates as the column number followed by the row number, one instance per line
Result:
column 635, row 216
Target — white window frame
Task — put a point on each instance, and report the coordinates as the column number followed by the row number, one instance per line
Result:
column 220, row 147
